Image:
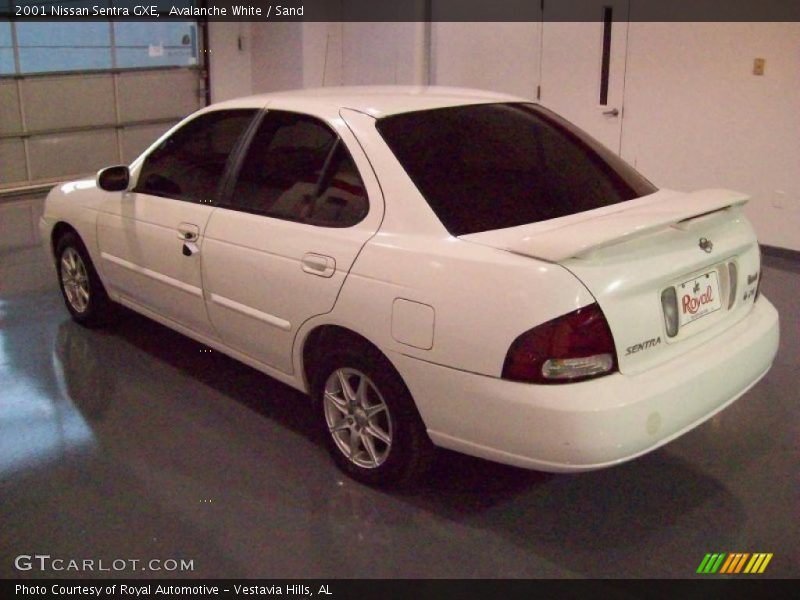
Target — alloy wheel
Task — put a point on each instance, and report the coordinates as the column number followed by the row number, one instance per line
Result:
column 358, row 418
column 75, row 280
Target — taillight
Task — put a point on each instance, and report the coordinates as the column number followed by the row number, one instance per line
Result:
column 572, row 347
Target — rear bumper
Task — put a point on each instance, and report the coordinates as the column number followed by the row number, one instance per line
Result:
column 593, row 424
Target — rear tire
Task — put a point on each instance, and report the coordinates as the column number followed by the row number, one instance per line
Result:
column 371, row 425
column 84, row 294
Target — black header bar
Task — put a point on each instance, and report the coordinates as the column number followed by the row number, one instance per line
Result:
column 400, row 10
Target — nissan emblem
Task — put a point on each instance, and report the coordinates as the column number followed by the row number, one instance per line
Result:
column 706, row 245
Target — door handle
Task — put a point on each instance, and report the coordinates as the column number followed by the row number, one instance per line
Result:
column 318, row 264
column 190, row 248
column 614, row 112
column 188, row 232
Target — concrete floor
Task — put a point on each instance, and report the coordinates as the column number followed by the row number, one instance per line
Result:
column 138, row 443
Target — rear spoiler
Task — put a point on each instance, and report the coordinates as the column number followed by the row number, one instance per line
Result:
column 578, row 235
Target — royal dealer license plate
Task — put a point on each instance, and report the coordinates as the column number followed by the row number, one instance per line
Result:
column 698, row 297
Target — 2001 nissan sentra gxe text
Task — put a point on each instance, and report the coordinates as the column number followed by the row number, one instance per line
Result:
column 435, row 267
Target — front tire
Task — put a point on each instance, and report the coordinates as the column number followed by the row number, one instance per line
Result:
column 371, row 425
column 84, row 294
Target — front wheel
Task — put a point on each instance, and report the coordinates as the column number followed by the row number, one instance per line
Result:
column 373, row 430
column 83, row 292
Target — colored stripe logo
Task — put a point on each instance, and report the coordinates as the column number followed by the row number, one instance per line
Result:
column 735, row 562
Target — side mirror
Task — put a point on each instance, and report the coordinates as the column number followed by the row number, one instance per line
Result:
column 114, row 179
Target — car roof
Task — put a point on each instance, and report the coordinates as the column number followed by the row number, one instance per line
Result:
column 377, row 101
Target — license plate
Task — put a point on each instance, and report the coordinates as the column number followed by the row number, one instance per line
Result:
column 698, row 297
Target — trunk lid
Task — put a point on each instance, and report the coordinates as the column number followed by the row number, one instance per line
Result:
column 627, row 255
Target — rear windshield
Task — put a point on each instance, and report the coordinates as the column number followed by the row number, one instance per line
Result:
column 491, row 166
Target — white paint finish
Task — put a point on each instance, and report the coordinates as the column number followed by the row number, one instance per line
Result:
column 157, row 94
column 268, row 253
column 317, row 264
column 12, row 157
column 503, row 57
column 192, row 290
column 71, row 154
column 626, row 254
column 484, row 298
column 413, row 323
column 595, row 424
column 230, row 68
column 142, row 258
column 251, row 312
column 277, row 55
column 10, row 121
column 583, row 234
column 475, row 322
column 697, row 117
column 76, row 203
column 428, row 265
column 630, row 296
column 83, row 100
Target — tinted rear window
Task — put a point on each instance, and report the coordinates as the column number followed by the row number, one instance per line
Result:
column 492, row 166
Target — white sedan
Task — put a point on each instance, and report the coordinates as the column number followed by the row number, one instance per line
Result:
column 435, row 267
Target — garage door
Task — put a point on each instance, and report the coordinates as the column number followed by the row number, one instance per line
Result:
column 77, row 96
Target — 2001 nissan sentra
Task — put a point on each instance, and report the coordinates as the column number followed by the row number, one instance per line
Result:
column 435, row 267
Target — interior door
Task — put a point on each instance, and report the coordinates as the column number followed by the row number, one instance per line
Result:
column 151, row 237
column 303, row 204
column 583, row 65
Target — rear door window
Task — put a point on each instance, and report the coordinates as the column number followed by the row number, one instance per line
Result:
column 297, row 168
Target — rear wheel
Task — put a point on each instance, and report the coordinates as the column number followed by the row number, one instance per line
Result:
column 373, row 430
column 83, row 292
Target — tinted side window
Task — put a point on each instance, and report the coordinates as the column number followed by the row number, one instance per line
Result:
column 296, row 168
column 189, row 164
column 493, row 166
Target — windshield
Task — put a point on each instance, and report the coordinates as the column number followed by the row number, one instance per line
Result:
column 492, row 166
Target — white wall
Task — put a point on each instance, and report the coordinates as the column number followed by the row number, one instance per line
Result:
column 295, row 55
column 322, row 54
column 230, row 67
column 696, row 116
column 503, row 57
column 383, row 53
column 277, row 62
